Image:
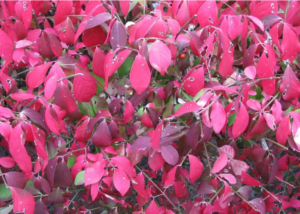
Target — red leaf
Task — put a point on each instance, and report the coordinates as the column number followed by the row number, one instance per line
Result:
column 277, row 111
column 53, row 120
column 113, row 61
column 18, row 150
column 218, row 117
column 66, row 32
column 187, row 108
column 283, row 130
column 23, row 201
column 6, row 46
column 7, row 162
column 156, row 135
column 248, row 180
column 290, row 45
column 62, row 175
column 170, row 177
column 84, row 87
column 250, row 72
column 102, row 136
column 26, row 13
column 94, row 173
column 63, row 10
column 196, row 168
column 125, row 4
column 98, row 62
column 160, row 57
column 290, row 86
column 195, row 82
column 128, row 112
column 64, row 98
column 153, row 208
column 37, row 76
column 138, row 184
column 93, row 36
column 121, row 181
column 170, row 154
column 208, row 14
column 140, row 69
column 241, row 122
column 220, row 163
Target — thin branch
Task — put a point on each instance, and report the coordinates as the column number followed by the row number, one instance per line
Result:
column 162, row 192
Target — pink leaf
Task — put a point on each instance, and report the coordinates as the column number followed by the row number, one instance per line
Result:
column 218, row 117
column 290, row 85
column 27, row 13
column 37, row 76
column 248, row 180
column 66, row 31
column 118, row 35
column 290, row 45
column 84, row 87
column 239, row 166
column 230, row 178
column 170, row 154
column 156, row 135
column 98, row 62
column 7, row 162
column 6, row 46
column 196, row 168
column 63, row 10
column 228, row 150
column 250, row 72
column 241, row 122
column 254, row 104
column 208, row 14
column 270, row 121
column 170, row 177
column 160, row 57
column 187, row 108
column 121, row 181
column 128, row 112
column 277, row 111
column 125, row 4
column 23, row 201
column 140, row 69
column 153, row 208
column 195, row 82
column 220, row 163
column 18, row 151
column 94, row 173
column 283, row 130
column 113, row 61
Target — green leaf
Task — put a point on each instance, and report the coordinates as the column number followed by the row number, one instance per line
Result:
column 231, row 119
column 169, row 107
column 79, row 180
column 5, row 193
column 88, row 109
column 199, row 94
column 6, row 210
column 258, row 95
column 188, row 97
column 71, row 161
column 125, row 67
column 177, row 107
column 100, row 83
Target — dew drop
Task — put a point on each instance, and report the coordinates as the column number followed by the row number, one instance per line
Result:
column 210, row 20
column 272, row 5
column 123, row 177
column 226, row 170
column 63, row 30
column 191, row 79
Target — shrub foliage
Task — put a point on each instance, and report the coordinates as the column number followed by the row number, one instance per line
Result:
column 149, row 106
